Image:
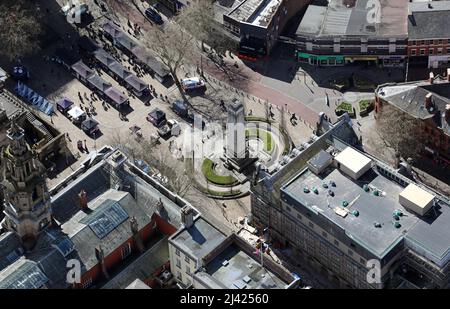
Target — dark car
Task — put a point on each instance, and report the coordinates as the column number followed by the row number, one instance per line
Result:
column 154, row 16
column 157, row 117
column 180, row 108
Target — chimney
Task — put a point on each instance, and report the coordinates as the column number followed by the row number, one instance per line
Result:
column 82, row 198
column 100, row 255
column 136, row 236
column 448, row 75
column 447, row 112
column 428, row 101
column 431, row 80
column 187, row 216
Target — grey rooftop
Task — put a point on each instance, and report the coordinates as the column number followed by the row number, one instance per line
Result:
column 235, row 269
column 338, row 20
column 199, row 239
column 372, row 209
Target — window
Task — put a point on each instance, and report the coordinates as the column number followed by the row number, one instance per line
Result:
column 413, row 52
column 177, row 252
column 336, row 243
column 362, row 261
column 422, row 51
column 87, row 283
column 188, row 270
column 431, row 52
column 179, row 275
column 413, row 43
column 187, row 259
column 299, row 217
column 439, row 51
column 178, row 263
column 126, row 251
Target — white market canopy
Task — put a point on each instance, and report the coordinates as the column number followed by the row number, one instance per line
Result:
column 76, row 112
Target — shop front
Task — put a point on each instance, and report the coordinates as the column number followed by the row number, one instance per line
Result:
column 391, row 61
column 439, row 61
column 320, row 60
column 369, row 60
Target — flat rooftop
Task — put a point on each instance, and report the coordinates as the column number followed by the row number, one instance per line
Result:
column 242, row 271
column 419, row 25
column 199, row 239
column 338, row 19
column 371, row 208
column 256, row 12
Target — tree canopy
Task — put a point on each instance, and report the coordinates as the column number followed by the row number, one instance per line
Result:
column 20, row 29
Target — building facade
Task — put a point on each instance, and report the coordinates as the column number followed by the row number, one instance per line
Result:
column 202, row 257
column 346, row 224
column 258, row 24
column 428, row 35
column 341, row 33
column 429, row 103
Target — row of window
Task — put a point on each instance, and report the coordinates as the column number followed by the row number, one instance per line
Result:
column 431, row 51
column 428, row 42
column 325, row 235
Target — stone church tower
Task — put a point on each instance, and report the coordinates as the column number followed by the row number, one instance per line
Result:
column 27, row 201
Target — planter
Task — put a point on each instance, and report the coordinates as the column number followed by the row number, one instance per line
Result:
column 211, row 176
column 365, row 107
column 345, row 107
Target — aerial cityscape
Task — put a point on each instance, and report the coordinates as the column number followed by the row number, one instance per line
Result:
column 225, row 144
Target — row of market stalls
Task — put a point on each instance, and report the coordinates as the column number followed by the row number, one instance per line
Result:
column 78, row 116
column 98, row 84
column 133, row 49
column 119, row 73
column 33, row 98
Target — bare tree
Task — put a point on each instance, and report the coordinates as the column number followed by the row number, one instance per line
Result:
column 172, row 47
column 20, row 29
column 159, row 158
column 198, row 20
column 400, row 131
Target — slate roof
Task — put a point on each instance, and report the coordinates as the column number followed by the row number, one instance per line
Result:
column 97, row 228
column 410, row 98
column 429, row 23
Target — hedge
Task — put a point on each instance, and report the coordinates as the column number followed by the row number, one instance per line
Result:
column 211, row 176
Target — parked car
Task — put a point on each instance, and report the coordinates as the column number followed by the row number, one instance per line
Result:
column 193, row 83
column 157, row 117
column 154, row 16
column 172, row 128
column 180, row 108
